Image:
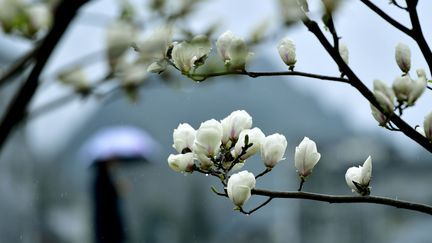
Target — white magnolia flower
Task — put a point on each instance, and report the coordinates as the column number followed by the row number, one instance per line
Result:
column 403, row 57
column 183, row 137
column 306, row 157
column 273, row 149
column 40, row 16
column 233, row 50
column 239, row 187
column 76, row 77
column 119, row 37
column 344, row 53
column 402, row 87
column 427, row 126
column 379, row 117
column 181, row 162
column 256, row 137
column 207, row 142
column 189, row 55
column 358, row 178
column 421, row 73
column 417, row 89
column 287, row 52
column 379, row 85
column 234, row 123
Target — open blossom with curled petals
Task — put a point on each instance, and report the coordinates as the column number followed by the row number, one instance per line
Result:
column 183, row 137
column 189, row 55
column 234, row 123
column 233, row 50
column 273, row 149
column 255, row 136
column 239, row 187
column 344, row 53
column 403, row 57
column 427, row 126
column 402, row 87
column 207, row 141
column 358, row 178
column 287, row 52
column 306, row 157
column 181, row 162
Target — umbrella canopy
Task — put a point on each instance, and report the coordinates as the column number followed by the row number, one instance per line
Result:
column 123, row 143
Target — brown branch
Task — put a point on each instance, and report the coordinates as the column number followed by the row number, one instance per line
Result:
column 203, row 76
column 423, row 208
column 64, row 14
column 363, row 89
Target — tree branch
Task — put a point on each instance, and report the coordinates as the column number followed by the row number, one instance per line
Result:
column 359, row 85
column 64, row 14
column 423, row 208
column 18, row 66
column 203, row 76
column 387, row 18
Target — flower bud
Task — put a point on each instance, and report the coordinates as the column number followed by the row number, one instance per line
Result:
column 273, row 149
column 183, row 137
column 287, row 52
column 417, row 89
column 207, row 141
column 77, row 78
column 379, row 117
column 234, row 123
column 402, row 87
column 40, row 16
column 233, row 50
column 343, row 52
column 239, row 187
column 379, row 85
column 385, row 103
column 403, row 57
column 358, row 178
column 421, row 73
column 181, row 162
column 427, row 126
column 255, row 136
column 119, row 37
column 306, row 157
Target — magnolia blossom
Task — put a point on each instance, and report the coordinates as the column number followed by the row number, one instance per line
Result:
column 273, row 149
column 155, row 47
column 403, row 57
column 189, row 55
column 358, row 178
column 427, row 126
column 417, row 89
column 119, row 37
column 384, row 101
column 421, row 73
column 233, row 50
column 287, row 52
column 402, row 87
column 40, row 16
column 239, row 187
column 255, row 135
column 183, row 137
column 380, row 86
column 77, row 78
column 207, row 141
column 234, row 123
column 343, row 52
column 306, row 157
column 181, row 162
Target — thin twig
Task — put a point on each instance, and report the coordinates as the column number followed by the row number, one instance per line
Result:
column 18, row 66
column 267, row 170
column 204, row 76
column 387, row 18
column 394, row 2
column 423, row 208
column 255, row 209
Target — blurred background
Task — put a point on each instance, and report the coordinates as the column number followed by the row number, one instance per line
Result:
column 45, row 180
